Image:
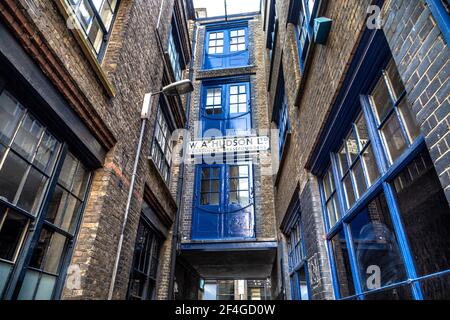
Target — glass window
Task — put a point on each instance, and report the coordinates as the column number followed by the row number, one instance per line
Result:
column 174, row 53
column 28, row 157
column 226, row 110
column 331, row 198
column 143, row 278
column 210, row 186
column 213, row 101
column 395, row 121
column 226, row 48
column 356, row 162
column 95, row 18
column 238, row 99
column 342, row 265
column 216, row 43
column 425, row 215
column 237, row 40
column 162, row 146
column 376, row 246
column 239, row 185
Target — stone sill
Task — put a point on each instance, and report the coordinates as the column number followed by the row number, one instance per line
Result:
column 66, row 11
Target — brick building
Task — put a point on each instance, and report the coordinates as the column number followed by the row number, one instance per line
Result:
column 313, row 164
column 362, row 191
column 227, row 223
column 73, row 75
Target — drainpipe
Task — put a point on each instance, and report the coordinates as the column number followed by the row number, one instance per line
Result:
column 145, row 115
column 176, row 227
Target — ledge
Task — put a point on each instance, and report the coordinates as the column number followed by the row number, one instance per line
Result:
column 67, row 13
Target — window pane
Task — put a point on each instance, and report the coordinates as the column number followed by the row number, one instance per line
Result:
column 331, row 214
column 409, row 120
column 343, row 162
column 358, row 175
column 10, row 114
column 46, row 287
column 381, row 100
column 27, row 138
column 393, row 138
column 376, row 246
column 370, row 165
column 95, row 35
column 29, row 285
column 352, row 147
column 32, row 192
column 395, row 80
column 425, row 214
column 342, row 264
column 46, row 153
column 12, row 230
column 349, row 194
column 11, row 175
column 48, row 252
column 363, row 133
column 5, row 271
column 63, row 210
column 68, row 171
column 214, row 199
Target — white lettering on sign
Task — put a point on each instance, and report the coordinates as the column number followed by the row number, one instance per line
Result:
column 226, row 145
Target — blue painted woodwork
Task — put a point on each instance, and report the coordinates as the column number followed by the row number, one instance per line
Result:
column 223, row 202
column 226, row 46
column 366, row 69
column 226, row 109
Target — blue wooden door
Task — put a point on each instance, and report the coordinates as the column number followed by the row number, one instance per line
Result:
column 224, row 202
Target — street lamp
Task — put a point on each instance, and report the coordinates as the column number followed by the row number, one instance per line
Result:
column 174, row 89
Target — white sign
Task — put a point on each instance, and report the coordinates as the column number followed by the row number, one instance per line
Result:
column 226, row 145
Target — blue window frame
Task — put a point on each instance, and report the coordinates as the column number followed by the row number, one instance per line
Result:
column 441, row 12
column 281, row 113
column 226, row 47
column 306, row 12
column 226, row 109
column 161, row 150
column 96, row 18
column 382, row 201
column 272, row 28
column 43, row 188
column 174, row 52
column 224, row 202
column 298, row 266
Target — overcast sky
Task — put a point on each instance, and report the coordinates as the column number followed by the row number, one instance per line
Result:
column 217, row 8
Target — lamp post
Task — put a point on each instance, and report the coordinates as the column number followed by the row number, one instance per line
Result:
column 175, row 89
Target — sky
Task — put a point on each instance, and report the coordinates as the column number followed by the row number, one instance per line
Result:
column 216, row 7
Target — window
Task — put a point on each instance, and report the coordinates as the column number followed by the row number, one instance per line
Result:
column 226, row 110
column 226, row 48
column 142, row 285
column 387, row 213
column 357, row 167
column 96, row 18
column 224, row 201
column 272, row 28
column 162, row 146
column 297, row 264
column 441, row 12
column 304, row 27
column 29, row 154
column 281, row 110
column 174, row 52
column 395, row 120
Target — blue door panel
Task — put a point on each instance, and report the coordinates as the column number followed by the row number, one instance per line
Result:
column 226, row 57
column 227, row 220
